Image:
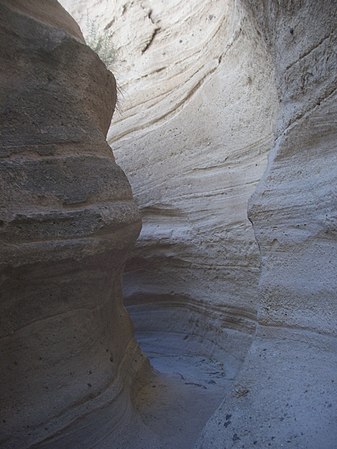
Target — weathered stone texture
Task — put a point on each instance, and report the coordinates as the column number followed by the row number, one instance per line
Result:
column 208, row 90
column 211, row 89
column 289, row 374
column 197, row 108
column 67, row 223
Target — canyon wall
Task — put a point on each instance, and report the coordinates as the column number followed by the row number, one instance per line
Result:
column 207, row 91
column 67, row 223
column 196, row 111
column 285, row 394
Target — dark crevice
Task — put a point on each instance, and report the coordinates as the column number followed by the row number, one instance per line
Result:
column 148, row 45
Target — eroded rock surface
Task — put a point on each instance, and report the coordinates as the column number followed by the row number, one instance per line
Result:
column 224, row 310
column 286, row 391
column 197, row 107
column 210, row 89
column 68, row 221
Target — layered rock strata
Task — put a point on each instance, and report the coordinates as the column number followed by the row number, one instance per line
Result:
column 286, row 391
column 67, row 223
column 207, row 89
column 197, row 108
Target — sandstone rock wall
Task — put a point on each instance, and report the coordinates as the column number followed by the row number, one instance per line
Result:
column 208, row 89
column 67, row 223
column 285, row 394
column 197, row 107
column 269, row 88
column 294, row 208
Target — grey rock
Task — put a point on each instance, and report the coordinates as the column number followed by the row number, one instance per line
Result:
column 67, row 223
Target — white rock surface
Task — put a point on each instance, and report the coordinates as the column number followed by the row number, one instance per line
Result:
column 208, row 89
column 195, row 123
column 289, row 375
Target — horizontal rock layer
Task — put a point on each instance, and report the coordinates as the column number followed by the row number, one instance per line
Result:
column 209, row 89
column 289, row 374
column 67, row 223
column 192, row 138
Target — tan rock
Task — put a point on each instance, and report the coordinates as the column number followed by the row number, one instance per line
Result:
column 226, row 311
column 68, row 222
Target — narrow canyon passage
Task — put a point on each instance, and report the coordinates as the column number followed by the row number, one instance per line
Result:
column 195, row 363
column 183, row 394
column 168, row 266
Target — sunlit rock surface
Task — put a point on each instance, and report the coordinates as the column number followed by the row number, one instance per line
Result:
column 67, row 223
column 227, row 312
column 196, row 111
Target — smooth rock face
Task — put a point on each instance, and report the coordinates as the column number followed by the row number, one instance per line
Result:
column 195, row 122
column 211, row 88
column 67, row 223
column 197, row 108
column 294, row 208
column 240, row 313
column 286, row 390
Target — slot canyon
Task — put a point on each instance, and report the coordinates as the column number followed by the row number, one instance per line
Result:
column 168, row 224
